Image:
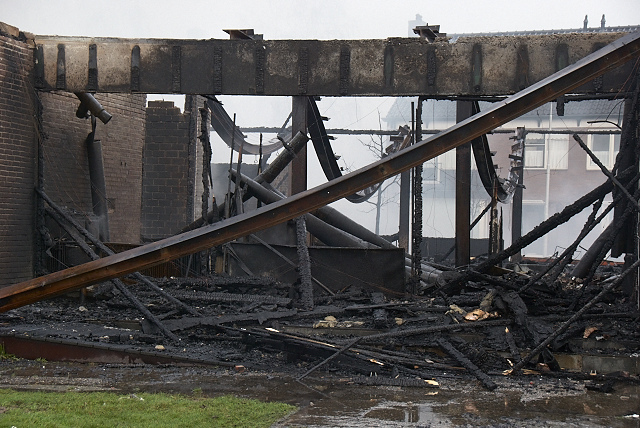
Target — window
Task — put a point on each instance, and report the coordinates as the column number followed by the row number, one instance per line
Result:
column 447, row 160
column 432, row 169
column 605, row 147
column 540, row 149
column 431, row 172
column 558, row 152
column 534, row 152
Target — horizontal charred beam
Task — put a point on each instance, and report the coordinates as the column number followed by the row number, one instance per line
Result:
column 205, row 296
column 478, row 66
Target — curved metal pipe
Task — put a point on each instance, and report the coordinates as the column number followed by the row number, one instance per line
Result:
column 88, row 103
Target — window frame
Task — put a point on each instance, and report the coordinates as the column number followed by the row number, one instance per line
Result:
column 545, row 143
column 613, row 153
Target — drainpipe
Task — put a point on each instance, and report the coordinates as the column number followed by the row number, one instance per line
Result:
column 98, row 184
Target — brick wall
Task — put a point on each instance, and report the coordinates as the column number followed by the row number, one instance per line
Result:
column 165, row 191
column 66, row 171
column 172, row 168
column 18, row 155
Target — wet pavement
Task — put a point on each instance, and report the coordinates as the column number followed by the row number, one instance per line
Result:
column 328, row 400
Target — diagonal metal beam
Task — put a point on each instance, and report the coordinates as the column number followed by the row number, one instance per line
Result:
column 590, row 67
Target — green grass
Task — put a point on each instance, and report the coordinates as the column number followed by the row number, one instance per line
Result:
column 102, row 409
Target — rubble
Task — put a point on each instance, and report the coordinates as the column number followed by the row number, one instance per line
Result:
column 262, row 330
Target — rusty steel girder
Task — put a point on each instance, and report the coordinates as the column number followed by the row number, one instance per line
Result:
column 585, row 70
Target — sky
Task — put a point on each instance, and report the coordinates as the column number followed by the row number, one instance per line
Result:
column 289, row 19
column 325, row 20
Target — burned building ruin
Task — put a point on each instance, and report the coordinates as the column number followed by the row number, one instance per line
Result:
column 114, row 198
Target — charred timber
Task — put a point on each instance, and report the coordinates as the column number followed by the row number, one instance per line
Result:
column 304, row 265
column 467, row 364
column 565, row 326
column 385, row 67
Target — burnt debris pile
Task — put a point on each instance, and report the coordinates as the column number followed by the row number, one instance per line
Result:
column 486, row 329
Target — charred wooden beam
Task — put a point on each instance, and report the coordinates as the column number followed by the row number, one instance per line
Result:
column 628, row 155
column 305, row 345
column 208, row 296
column 606, row 172
column 467, row 364
column 260, row 317
column 304, row 265
column 389, row 67
column 563, row 259
column 585, row 70
column 607, row 239
column 221, row 281
column 379, row 314
column 386, row 381
column 434, row 329
column 333, row 356
column 513, row 348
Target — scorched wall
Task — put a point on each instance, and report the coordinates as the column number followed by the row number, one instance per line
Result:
column 66, row 169
column 17, row 161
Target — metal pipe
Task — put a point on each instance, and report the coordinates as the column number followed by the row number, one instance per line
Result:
column 583, row 71
column 280, row 163
column 88, row 103
column 327, row 233
column 98, row 186
column 266, row 129
column 270, row 173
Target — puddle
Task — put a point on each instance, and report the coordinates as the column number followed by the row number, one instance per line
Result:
column 335, row 402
